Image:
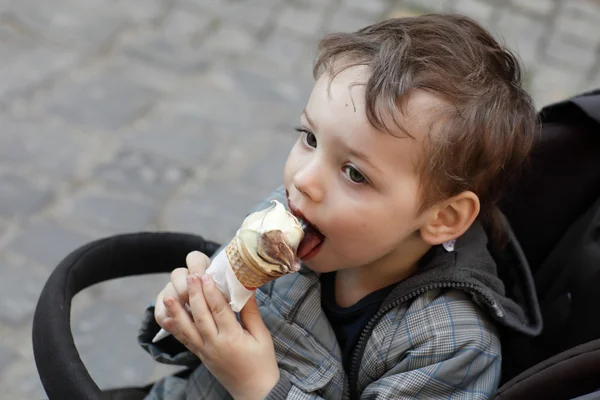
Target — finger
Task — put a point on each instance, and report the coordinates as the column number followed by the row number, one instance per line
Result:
column 197, row 262
column 221, row 311
column 252, row 320
column 160, row 311
column 169, row 291
column 200, row 312
column 181, row 326
column 178, row 279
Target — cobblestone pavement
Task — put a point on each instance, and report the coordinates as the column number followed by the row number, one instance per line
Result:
column 126, row 115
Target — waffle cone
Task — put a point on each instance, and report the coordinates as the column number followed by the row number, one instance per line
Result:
column 246, row 270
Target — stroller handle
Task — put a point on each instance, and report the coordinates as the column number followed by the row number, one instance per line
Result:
column 59, row 365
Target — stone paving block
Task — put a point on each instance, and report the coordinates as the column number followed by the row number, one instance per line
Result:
column 182, row 26
column 284, row 51
column 304, row 21
column 320, row 4
column 267, row 172
column 253, row 14
column 174, row 47
column 213, row 210
column 240, row 153
column 219, row 101
column 128, row 297
column 21, row 195
column 403, row 12
column 5, row 227
column 479, row 10
column 551, row 84
column 141, row 172
column 104, row 102
column 86, row 26
column 214, row 6
column 348, row 21
column 46, row 146
column 590, row 83
column 21, row 380
column 26, row 66
column 47, row 242
column 261, row 85
column 106, row 337
column 190, row 140
column 141, row 11
column 182, row 216
column 374, row 8
column 521, row 34
column 108, row 210
column 132, row 293
column 536, row 7
column 586, row 9
column 10, row 30
column 568, row 51
column 7, row 356
column 428, row 6
column 236, row 198
column 19, row 291
column 229, row 39
column 580, row 20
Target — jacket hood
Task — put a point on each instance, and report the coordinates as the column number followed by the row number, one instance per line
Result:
column 500, row 281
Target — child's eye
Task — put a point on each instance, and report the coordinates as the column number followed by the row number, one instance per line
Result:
column 308, row 137
column 354, row 175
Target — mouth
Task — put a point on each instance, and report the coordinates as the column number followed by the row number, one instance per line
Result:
column 313, row 238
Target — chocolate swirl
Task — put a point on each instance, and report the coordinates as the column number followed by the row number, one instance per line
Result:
column 273, row 249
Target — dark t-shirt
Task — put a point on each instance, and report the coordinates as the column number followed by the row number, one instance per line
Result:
column 349, row 322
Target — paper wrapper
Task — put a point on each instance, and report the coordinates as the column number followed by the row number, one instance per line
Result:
column 222, row 273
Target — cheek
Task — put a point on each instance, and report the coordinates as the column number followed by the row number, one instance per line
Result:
column 291, row 165
column 372, row 234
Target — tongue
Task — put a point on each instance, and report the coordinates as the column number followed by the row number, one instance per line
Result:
column 310, row 241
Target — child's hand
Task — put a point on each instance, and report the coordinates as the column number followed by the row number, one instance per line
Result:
column 197, row 263
column 243, row 360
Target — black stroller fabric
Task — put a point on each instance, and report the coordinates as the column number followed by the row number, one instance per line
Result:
column 562, row 180
column 60, row 368
column 557, row 221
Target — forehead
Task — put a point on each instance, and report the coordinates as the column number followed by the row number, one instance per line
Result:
column 338, row 107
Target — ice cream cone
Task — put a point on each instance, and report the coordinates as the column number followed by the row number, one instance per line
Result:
column 263, row 249
column 246, row 270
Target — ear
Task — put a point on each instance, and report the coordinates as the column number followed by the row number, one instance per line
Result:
column 450, row 218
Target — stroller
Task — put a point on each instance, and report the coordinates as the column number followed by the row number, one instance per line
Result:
column 554, row 210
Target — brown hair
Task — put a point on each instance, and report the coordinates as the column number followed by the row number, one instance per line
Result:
column 489, row 128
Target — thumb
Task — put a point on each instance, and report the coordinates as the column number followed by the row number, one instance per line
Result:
column 252, row 320
column 197, row 262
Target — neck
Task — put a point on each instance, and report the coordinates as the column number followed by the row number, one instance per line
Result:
column 351, row 285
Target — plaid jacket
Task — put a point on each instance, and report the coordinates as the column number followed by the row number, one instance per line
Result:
column 432, row 338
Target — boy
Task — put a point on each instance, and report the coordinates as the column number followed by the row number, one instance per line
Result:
column 412, row 129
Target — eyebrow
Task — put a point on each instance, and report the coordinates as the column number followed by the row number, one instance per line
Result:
column 310, row 121
column 363, row 157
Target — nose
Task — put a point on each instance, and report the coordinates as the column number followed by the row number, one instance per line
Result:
column 308, row 180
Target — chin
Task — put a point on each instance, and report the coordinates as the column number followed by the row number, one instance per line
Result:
column 316, row 266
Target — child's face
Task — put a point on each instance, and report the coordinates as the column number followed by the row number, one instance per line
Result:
column 356, row 184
